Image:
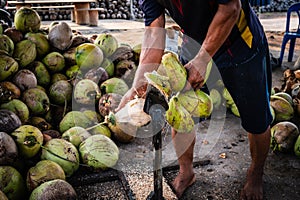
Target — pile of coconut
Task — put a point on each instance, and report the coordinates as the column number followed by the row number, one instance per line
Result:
column 58, row 93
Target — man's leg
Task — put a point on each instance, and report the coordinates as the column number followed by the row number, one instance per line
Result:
column 259, row 148
column 184, row 145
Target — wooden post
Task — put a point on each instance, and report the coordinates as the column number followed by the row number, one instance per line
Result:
column 73, row 17
column 93, row 14
column 82, row 13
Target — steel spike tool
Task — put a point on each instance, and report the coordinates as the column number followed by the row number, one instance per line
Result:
column 156, row 106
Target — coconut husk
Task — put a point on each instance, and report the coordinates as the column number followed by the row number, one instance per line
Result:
column 133, row 113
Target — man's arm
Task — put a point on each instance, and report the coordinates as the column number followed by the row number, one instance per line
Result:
column 152, row 51
column 218, row 31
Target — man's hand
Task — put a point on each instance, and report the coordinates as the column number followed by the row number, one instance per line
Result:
column 196, row 70
column 131, row 94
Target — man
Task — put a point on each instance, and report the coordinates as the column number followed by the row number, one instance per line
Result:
column 231, row 34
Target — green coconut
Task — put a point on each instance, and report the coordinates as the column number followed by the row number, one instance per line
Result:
column 54, row 61
column 88, row 56
column 86, row 92
column 60, row 92
column 29, row 140
column 43, row 171
column 36, row 100
column 19, row 108
column 198, row 103
column 25, row 52
column 109, row 67
column 8, row 67
column 107, row 43
column 297, row 147
column 12, row 183
column 114, row 85
column 100, row 129
column 6, row 45
column 74, row 118
column 283, row 136
column 54, row 190
column 41, row 42
column 27, row 20
column 41, row 73
column 284, row 111
column 76, row 135
column 9, row 91
column 99, row 152
column 63, row 153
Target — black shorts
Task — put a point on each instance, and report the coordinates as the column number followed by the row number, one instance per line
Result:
column 249, row 84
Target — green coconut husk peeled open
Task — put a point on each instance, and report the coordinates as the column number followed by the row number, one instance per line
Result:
column 178, row 117
column 63, row 153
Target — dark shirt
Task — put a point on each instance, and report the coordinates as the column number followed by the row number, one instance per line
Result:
column 195, row 16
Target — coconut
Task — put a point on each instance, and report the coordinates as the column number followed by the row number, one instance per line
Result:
column 283, row 136
column 28, row 139
column 99, row 152
column 53, row 190
column 43, row 171
column 73, row 71
column 78, row 40
column 93, row 116
column 98, row 75
column 36, row 100
column 216, row 98
column 88, row 56
column 6, row 45
column 76, row 135
column 60, row 36
column 8, row 67
column 9, row 121
column 297, row 147
column 8, row 149
column 54, row 61
column 14, row 34
column 283, row 109
column 109, row 67
column 41, row 73
column 114, row 85
column 73, row 118
column 25, row 79
column 133, row 113
column 27, row 20
column 286, row 96
column 8, row 91
column 100, row 129
column 86, row 92
column 227, row 96
column 19, row 108
column 58, row 77
column 63, row 153
column 235, row 110
column 122, row 53
column 107, row 43
column 25, row 52
column 126, row 69
column 39, row 123
column 41, row 42
column 69, row 56
column 108, row 103
column 121, row 131
column 12, row 183
column 60, row 92
column 198, row 103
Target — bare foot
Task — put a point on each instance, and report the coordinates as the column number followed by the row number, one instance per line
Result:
column 253, row 189
column 182, row 182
